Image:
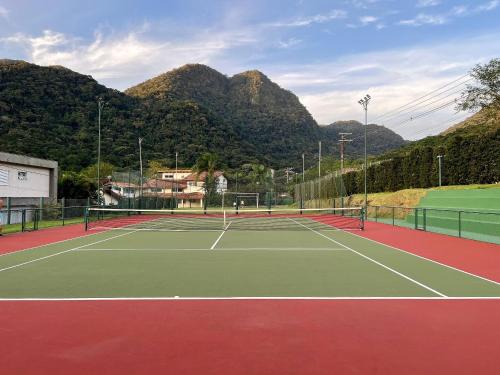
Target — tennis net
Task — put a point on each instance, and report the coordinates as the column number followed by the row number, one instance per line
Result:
column 217, row 220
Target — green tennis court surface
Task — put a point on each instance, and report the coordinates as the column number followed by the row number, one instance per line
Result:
column 298, row 262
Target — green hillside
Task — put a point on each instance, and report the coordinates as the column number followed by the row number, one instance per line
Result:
column 51, row 112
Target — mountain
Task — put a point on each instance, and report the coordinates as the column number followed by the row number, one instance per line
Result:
column 379, row 138
column 51, row 112
column 270, row 118
column 479, row 122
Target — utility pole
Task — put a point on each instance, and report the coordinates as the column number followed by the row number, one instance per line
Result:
column 100, row 106
column 140, row 163
column 342, row 142
column 364, row 103
column 440, row 158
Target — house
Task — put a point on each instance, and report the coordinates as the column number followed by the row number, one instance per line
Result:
column 113, row 192
column 186, row 186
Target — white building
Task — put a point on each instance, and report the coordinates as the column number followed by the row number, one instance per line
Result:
column 26, row 177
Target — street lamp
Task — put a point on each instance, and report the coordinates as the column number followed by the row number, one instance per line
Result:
column 440, row 160
column 100, row 106
column 364, row 103
column 140, row 165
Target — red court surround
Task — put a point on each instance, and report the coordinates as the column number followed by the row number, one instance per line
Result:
column 250, row 337
column 480, row 258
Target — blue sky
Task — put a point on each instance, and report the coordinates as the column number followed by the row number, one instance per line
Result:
column 329, row 53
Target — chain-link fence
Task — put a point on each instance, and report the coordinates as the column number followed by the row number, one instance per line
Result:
column 477, row 225
column 323, row 192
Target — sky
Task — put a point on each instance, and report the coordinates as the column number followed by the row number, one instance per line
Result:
column 329, row 53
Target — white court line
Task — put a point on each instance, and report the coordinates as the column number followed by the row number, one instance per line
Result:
column 158, row 230
column 64, row 251
column 381, row 298
column 430, row 260
column 218, row 239
column 224, row 249
column 61, row 252
column 376, row 262
column 51, row 243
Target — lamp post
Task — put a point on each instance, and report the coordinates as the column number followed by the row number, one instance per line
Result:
column 440, row 160
column 303, row 168
column 140, row 162
column 364, row 103
column 175, row 179
column 100, row 106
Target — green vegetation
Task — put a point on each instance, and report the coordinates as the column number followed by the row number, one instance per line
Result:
column 51, row 112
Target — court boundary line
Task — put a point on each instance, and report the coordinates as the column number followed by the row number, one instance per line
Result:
column 376, row 262
column 428, row 259
column 270, row 298
column 52, row 243
column 61, row 252
column 219, row 238
column 225, row 249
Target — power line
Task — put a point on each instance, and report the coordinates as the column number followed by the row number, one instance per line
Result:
column 421, row 97
column 418, row 106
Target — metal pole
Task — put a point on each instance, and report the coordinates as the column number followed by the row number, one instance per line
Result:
column 319, row 160
column 175, row 179
column 439, row 162
column 303, row 168
column 364, row 102
column 100, row 105
column 319, row 175
column 140, row 162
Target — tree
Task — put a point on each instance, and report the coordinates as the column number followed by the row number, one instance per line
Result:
column 485, row 93
column 207, row 163
column 90, row 173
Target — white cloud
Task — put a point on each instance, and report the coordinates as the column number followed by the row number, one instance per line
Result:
column 490, row 5
column 4, row 13
column 306, row 21
column 365, row 20
column 425, row 19
column 291, row 42
column 120, row 61
column 427, row 3
column 330, row 91
column 454, row 12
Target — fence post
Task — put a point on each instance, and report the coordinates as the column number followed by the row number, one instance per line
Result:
column 459, row 223
column 9, row 207
column 416, row 217
column 424, row 218
column 376, row 213
column 23, row 220
column 41, row 208
column 393, row 209
column 63, row 204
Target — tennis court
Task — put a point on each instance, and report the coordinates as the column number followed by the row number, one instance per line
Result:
column 206, row 274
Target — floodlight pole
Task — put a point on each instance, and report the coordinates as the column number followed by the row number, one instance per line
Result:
column 440, row 157
column 364, row 103
column 140, row 162
column 100, row 105
column 175, row 179
column 303, row 168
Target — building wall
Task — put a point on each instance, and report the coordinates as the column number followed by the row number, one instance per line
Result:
column 24, row 181
column 26, row 177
